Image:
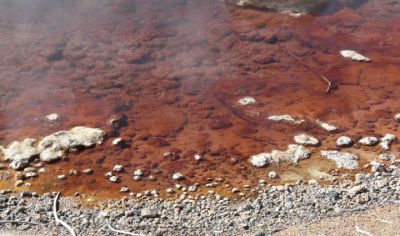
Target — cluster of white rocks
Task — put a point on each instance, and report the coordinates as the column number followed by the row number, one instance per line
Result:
column 51, row 148
column 346, row 160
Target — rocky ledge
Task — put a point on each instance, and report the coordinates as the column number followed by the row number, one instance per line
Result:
column 274, row 209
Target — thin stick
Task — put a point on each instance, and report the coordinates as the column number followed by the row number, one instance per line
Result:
column 363, row 231
column 121, row 232
column 331, row 84
column 58, row 219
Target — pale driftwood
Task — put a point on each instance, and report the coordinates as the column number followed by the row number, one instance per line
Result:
column 363, row 231
column 58, row 219
column 121, row 231
column 385, row 221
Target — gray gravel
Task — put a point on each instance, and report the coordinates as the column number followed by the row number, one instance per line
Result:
column 275, row 208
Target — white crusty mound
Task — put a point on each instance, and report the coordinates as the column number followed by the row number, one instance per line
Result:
column 293, row 154
column 353, row 55
column 326, row 126
column 344, row 160
column 52, row 147
column 305, row 139
column 55, row 146
column 387, row 140
column 344, row 141
column 260, row 160
column 245, row 101
column 369, row 141
column 286, row 118
column 20, row 153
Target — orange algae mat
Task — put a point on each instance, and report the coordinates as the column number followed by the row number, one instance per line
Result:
column 175, row 71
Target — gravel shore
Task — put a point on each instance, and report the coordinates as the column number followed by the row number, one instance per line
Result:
column 274, row 209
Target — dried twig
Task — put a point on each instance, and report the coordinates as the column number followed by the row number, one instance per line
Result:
column 385, row 221
column 121, row 231
column 363, row 231
column 332, row 85
column 58, row 219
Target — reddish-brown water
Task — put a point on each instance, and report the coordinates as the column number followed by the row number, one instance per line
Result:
column 176, row 70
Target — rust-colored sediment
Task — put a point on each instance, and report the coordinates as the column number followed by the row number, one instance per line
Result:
column 176, row 69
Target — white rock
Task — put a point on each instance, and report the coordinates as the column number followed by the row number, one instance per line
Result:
column 178, row 176
column 61, row 177
column 387, row 156
column 354, row 55
column 260, row 160
column 30, row 174
column 137, row 178
column 118, row 168
column 170, row 190
column 235, row 190
column 344, row 141
column 286, row 118
column 55, row 146
column 53, row 117
column 108, row 174
column 313, row 182
column 247, row 101
column 20, row 153
column 387, row 140
column 124, row 190
column 192, row 188
column 397, row 117
column 305, row 139
column 198, row 157
column 168, row 154
column 326, row 126
column 356, row 190
column 42, row 170
column 116, row 141
column 178, row 186
column 138, row 172
column 342, row 159
column 87, row 171
column 114, row 179
column 272, row 175
column 292, row 14
column 376, row 166
column 369, row 141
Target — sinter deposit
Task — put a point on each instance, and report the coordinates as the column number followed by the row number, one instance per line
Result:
column 52, row 147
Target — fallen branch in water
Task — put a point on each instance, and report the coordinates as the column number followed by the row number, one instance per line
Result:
column 121, row 231
column 58, row 219
column 332, row 85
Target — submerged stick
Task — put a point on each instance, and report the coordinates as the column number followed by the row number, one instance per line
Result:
column 331, row 84
column 70, row 229
column 121, row 231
